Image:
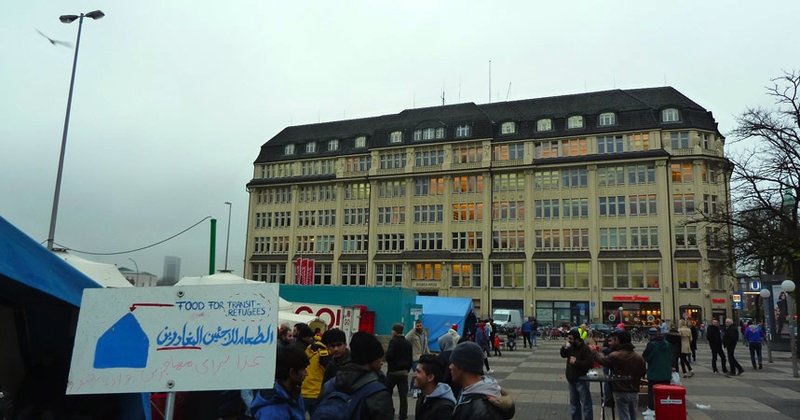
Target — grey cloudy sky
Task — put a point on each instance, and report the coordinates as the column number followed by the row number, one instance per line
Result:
column 174, row 98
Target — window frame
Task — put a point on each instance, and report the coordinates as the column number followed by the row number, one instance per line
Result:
column 396, row 137
column 508, row 127
column 573, row 119
column 607, row 119
column 670, row 115
column 541, row 122
column 288, row 150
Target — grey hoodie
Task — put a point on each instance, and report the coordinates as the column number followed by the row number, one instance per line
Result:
column 473, row 404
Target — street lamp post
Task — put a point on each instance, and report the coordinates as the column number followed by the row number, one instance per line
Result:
column 765, row 293
column 228, row 235
column 620, row 315
column 137, row 270
column 788, row 287
column 54, row 215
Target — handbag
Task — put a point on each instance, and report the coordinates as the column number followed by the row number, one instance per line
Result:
column 676, row 379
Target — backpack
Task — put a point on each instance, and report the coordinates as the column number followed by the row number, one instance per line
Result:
column 338, row 405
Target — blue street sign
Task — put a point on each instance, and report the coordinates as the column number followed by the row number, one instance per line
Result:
column 755, row 285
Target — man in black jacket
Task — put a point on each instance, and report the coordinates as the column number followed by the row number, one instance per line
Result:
column 579, row 361
column 714, row 337
column 729, row 340
column 399, row 359
column 481, row 397
column 437, row 400
column 336, row 342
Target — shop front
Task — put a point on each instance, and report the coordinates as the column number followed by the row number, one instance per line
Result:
column 632, row 310
column 692, row 314
column 560, row 312
column 719, row 310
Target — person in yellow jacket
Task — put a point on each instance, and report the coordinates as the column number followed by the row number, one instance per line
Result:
column 318, row 358
column 583, row 330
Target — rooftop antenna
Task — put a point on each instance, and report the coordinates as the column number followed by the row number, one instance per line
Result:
column 442, row 92
column 508, row 92
column 490, row 81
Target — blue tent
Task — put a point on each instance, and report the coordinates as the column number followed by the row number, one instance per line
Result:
column 40, row 296
column 440, row 313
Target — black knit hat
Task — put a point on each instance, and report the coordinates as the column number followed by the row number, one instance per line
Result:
column 623, row 336
column 468, row 356
column 333, row 336
column 365, row 348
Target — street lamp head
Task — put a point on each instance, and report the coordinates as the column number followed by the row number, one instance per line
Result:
column 764, row 293
column 228, row 203
column 67, row 18
column 787, row 286
column 95, row 14
column 621, row 308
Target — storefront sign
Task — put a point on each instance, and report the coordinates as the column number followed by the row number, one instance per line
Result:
column 633, row 298
column 426, row 284
column 718, row 300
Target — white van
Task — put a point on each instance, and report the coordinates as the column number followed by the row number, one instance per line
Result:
column 507, row 318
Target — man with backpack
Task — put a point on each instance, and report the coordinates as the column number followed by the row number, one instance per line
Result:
column 358, row 391
column 283, row 401
column 437, row 400
column 481, row 396
column 399, row 358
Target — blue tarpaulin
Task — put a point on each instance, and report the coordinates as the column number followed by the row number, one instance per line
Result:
column 440, row 313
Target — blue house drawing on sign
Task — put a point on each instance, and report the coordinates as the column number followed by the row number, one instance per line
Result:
column 124, row 345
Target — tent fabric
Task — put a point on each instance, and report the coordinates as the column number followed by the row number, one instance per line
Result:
column 440, row 313
column 107, row 275
column 25, row 261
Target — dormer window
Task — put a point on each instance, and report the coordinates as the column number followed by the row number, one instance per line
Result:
column 288, row 149
column 396, row 137
column 311, row 147
column 509, row 127
column 417, row 135
column 361, row 142
column 428, row 133
column 463, row 130
column 440, row 133
column 333, row 145
column 545, row 124
column 670, row 115
column 607, row 118
column 575, row 121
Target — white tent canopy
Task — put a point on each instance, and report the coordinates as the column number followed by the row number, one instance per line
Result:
column 107, row 275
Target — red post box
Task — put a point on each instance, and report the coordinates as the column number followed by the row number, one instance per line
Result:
column 670, row 402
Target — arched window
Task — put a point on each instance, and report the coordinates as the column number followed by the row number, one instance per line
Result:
column 544, row 124
column 575, row 121
column 396, row 137
column 509, row 127
column 607, row 118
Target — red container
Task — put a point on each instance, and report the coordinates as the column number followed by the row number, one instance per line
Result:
column 670, row 401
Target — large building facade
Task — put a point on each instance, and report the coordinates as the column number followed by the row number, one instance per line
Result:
column 568, row 208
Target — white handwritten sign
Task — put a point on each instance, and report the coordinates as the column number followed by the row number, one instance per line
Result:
column 160, row 339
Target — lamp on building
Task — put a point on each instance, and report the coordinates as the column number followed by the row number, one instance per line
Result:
column 620, row 314
column 765, row 294
column 54, row 214
column 788, row 287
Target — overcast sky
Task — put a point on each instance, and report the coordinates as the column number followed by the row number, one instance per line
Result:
column 173, row 99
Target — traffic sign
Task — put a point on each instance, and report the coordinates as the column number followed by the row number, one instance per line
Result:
column 755, row 285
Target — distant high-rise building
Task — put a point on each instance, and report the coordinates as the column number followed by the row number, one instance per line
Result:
column 172, row 270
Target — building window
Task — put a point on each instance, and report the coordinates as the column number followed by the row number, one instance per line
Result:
column 574, row 147
column 609, row 144
column 396, row 137
column 429, row 157
column 395, row 215
column 575, row 207
column 512, row 181
column 354, row 244
column 670, row 115
column 508, row 274
column 311, row 147
column 468, row 154
column 710, row 205
column 544, row 124
column 326, row 217
column 639, row 141
column 354, row 274
column 682, row 172
column 575, row 121
column 683, row 203
column 305, row 244
column 548, row 274
column 546, row 209
column 641, row 174
column 428, row 186
column 357, row 191
column 468, row 184
column 614, row 238
column 391, row 189
column 679, row 139
column 333, row 145
column 545, row 180
column 508, row 240
column 688, row 273
column 427, row 272
column 467, row 212
column 306, row 218
column 388, row 275
column 574, row 178
column 357, row 164
column 323, row 273
column 545, row 149
column 547, row 239
column 508, row 127
column 288, row 149
column 392, row 160
column 576, row 275
column 710, row 173
column 642, row 205
column 575, row 239
column 612, row 206
column 463, row 130
column 467, row 241
column 356, row 217
column 508, row 210
column 686, row 237
column 506, row 152
column 607, row 118
column 466, row 275
column 644, row 237
column 417, row 135
column 610, row 176
column 630, row 274
column 270, row 273
column 430, row 213
column 391, row 242
column 361, row 142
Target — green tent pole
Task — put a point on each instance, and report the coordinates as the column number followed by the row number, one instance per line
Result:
column 213, row 247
